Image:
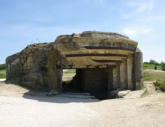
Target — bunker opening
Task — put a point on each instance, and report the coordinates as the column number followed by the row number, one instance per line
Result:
column 67, row 78
column 96, row 81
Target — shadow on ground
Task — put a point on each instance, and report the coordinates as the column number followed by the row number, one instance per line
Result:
column 61, row 98
column 11, row 89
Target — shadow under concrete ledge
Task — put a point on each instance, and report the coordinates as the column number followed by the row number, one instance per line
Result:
column 61, row 98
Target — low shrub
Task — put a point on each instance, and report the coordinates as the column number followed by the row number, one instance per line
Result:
column 160, row 85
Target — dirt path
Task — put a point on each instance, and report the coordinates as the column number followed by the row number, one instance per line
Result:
column 18, row 109
column 141, row 112
column 150, row 87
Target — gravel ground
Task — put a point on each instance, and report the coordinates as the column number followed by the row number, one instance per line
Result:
column 20, row 109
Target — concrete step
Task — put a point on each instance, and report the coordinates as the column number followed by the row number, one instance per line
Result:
column 71, row 93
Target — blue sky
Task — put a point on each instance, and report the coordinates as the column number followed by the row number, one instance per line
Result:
column 24, row 22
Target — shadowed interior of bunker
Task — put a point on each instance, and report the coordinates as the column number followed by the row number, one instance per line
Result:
column 96, row 81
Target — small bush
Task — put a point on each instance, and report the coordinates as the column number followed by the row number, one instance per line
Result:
column 160, row 85
column 153, row 62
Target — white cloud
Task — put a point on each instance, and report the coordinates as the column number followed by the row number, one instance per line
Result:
column 135, row 31
column 147, row 6
column 138, row 8
column 141, row 5
column 129, row 32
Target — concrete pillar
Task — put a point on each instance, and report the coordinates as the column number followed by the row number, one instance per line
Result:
column 116, row 75
column 55, row 80
column 123, row 75
column 54, row 73
column 138, row 69
column 110, row 79
column 59, row 80
column 130, row 71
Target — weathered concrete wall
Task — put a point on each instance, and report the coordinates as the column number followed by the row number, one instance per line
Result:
column 130, row 72
column 104, row 62
column 95, row 81
column 123, row 75
column 13, row 68
column 116, row 77
column 110, row 79
column 36, row 67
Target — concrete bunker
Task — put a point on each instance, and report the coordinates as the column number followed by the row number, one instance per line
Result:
column 103, row 61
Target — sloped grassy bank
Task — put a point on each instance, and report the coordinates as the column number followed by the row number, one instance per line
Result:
column 2, row 71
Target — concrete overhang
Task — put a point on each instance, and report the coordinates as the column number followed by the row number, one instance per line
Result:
column 95, row 48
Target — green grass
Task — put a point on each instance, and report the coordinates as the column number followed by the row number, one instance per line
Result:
column 3, row 73
column 70, row 71
column 151, row 66
column 2, row 70
column 2, row 66
column 160, row 85
column 150, row 75
column 155, row 75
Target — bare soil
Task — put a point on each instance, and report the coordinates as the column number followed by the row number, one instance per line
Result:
column 18, row 108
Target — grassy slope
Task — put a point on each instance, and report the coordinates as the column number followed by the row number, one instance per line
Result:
column 150, row 75
column 157, row 75
column 3, row 73
column 151, row 66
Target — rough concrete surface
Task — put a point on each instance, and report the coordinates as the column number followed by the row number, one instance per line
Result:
column 40, row 65
column 19, row 108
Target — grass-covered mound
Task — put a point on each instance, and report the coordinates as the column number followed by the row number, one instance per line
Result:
column 151, row 75
column 155, row 75
column 2, row 71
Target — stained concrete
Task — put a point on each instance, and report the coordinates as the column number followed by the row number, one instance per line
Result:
column 104, row 62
